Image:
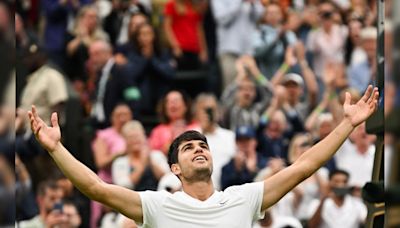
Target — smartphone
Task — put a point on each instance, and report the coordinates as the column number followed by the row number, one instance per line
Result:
column 58, row 206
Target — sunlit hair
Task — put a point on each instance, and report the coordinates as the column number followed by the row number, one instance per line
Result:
column 184, row 137
column 132, row 125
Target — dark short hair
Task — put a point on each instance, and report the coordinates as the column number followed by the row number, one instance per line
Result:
column 47, row 184
column 184, row 137
column 339, row 171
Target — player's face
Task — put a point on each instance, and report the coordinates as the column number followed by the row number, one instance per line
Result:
column 194, row 161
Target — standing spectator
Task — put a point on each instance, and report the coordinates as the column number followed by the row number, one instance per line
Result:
column 108, row 145
column 116, row 24
column 140, row 169
column 151, row 69
column 207, row 114
column 328, row 41
column 86, row 31
column 58, row 16
column 242, row 168
column 241, row 106
column 176, row 118
column 114, row 84
column 184, row 31
column 48, row 195
column 363, row 73
column 236, row 20
column 337, row 208
column 271, row 40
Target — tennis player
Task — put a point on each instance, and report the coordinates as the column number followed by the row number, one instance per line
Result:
column 199, row 205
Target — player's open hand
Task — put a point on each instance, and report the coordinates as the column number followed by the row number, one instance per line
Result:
column 47, row 136
column 359, row 112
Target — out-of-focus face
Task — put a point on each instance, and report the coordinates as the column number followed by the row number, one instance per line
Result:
column 369, row 46
column 246, row 145
column 246, row 93
column 136, row 20
column 276, row 126
column 146, row 35
column 325, row 128
column 135, row 140
column 74, row 219
column 324, row 9
column 301, row 145
column 89, row 20
column 121, row 115
column 98, row 55
column 293, row 21
column 66, row 186
column 50, row 198
column 338, row 181
column 175, row 106
column 273, row 15
column 194, row 161
column 354, row 31
column 294, row 92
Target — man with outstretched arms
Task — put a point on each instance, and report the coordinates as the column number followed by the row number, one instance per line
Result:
column 199, row 205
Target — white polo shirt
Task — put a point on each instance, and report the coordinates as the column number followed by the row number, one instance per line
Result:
column 358, row 165
column 237, row 206
column 351, row 214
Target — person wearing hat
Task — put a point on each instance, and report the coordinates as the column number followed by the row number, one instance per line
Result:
column 243, row 167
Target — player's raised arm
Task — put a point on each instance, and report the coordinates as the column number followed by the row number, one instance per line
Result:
column 278, row 185
column 121, row 199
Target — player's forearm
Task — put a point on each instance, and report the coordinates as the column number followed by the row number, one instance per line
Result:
column 319, row 154
column 81, row 176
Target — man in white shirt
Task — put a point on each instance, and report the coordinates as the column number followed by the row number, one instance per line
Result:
column 199, row 205
column 338, row 209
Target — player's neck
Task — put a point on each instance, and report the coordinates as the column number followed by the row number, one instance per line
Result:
column 201, row 190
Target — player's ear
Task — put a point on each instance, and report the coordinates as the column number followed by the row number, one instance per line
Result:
column 176, row 169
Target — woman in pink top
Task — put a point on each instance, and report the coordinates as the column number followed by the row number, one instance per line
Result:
column 108, row 145
column 176, row 118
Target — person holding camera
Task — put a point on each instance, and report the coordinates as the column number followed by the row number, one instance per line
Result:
column 207, row 114
column 338, row 208
column 49, row 196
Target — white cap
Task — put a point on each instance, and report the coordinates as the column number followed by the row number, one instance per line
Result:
column 293, row 77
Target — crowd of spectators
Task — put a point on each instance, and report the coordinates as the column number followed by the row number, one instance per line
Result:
column 267, row 79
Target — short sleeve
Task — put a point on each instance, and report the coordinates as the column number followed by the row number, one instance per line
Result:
column 253, row 193
column 57, row 89
column 169, row 9
column 151, row 202
column 362, row 210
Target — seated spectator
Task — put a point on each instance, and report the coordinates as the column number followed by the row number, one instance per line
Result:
column 243, row 167
column 114, row 84
column 48, row 195
column 207, row 114
column 239, row 99
column 348, row 211
column 271, row 40
column 150, row 67
column 107, row 146
column 140, row 169
column 87, row 30
column 176, row 118
column 184, row 32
